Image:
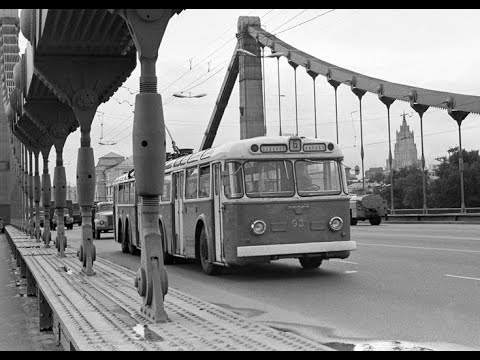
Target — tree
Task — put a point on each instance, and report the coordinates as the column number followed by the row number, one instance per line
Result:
column 445, row 191
column 407, row 188
column 377, row 177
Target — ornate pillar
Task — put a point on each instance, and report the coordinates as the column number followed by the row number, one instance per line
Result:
column 30, row 195
column 46, row 197
column 37, row 196
column 147, row 27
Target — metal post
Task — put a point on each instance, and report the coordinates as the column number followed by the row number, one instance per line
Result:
column 294, row 65
column 359, row 93
column 279, row 102
column 335, row 84
column 388, row 102
column 458, row 116
column 314, row 77
column 460, row 166
column 362, row 154
column 315, row 107
column 390, row 163
column 420, row 109
column 424, row 185
column 264, row 105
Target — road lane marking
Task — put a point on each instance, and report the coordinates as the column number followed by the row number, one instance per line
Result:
column 462, row 277
column 421, row 248
column 346, row 262
column 350, row 272
column 425, row 236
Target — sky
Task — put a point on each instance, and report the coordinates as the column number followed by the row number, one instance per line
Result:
column 430, row 48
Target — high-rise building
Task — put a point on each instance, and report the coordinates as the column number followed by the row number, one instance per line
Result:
column 405, row 150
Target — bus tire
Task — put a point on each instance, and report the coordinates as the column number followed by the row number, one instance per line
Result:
column 375, row 221
column 121, row 235
column 167, row 258
column 97, row 234
column 310, row 262
column 132, row 249
column 208, row 267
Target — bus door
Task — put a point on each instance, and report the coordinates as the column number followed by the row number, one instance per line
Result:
column 177, row 181
column 217, row 208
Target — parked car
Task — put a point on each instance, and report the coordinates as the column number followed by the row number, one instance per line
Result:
column 103, row 221
column 67, row 219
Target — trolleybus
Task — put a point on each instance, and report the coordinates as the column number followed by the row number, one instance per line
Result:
column 248, row 201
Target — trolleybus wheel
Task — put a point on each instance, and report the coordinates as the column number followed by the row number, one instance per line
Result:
column 208, row 267
column 132, row 249
column 122, row 241
column 310, row 262
column 375, row 221
column 168, row 259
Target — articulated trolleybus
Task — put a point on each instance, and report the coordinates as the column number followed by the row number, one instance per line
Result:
column 247, row 201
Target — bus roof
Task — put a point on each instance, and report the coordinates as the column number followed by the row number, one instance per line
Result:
column 263, row 147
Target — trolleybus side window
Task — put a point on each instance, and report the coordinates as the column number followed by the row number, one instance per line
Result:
column 317, row 177
column 204, row 182
column 191, row 187
column 177, row 183
column 269, row 178
column 233, row 180
column 132, row 192
column 120, row 194
column 166, row 188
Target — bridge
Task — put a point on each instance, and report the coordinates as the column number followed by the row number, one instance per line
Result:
column 76, row 60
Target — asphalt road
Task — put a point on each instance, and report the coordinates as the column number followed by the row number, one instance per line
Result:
column 417, row 284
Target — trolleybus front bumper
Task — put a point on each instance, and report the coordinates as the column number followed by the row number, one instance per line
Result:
column 287, row 249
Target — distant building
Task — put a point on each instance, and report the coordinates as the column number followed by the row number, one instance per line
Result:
column 373, row 171
column 405, row 151
column 72, row 194
column 105, row 162
column 114, row 172
column 431, row 171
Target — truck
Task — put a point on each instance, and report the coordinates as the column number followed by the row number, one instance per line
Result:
column 76, row 214
column 371, row 207
column 67, row 219
column 103, row 218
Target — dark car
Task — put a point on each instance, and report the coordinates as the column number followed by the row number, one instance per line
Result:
column 77, row 215
column 67, row 219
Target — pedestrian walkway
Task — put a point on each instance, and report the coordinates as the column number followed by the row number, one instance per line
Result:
column 18, row 313
column 102, row 312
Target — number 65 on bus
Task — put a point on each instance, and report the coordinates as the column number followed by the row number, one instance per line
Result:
column 247, row 201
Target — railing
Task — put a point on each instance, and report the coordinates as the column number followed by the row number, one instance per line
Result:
column 473, row 210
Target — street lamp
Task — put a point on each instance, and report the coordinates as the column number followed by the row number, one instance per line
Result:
column 182, row 95
column 246, row 52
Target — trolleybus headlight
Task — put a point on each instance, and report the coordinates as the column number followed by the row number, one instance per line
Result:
column 259, row 227
column 335, row 223
column 102, row 222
